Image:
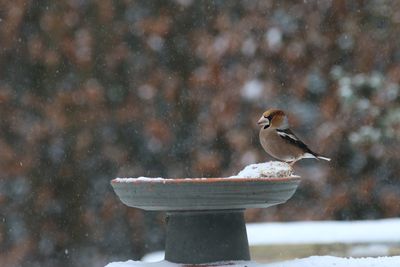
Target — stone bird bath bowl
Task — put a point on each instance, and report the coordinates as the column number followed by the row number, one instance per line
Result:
column 205, row 216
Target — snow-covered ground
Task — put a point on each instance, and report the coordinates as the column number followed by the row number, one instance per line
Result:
column 323, row 232
column 315, row 261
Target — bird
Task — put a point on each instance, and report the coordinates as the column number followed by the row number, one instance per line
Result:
column 279, row 141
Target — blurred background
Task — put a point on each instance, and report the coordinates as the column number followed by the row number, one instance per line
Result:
column 92, row 90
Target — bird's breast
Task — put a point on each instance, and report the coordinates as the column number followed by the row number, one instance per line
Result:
column 277, row 147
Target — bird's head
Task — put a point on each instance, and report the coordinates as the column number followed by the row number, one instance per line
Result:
column 273, row 118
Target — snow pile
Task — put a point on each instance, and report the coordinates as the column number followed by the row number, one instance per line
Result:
column 314, row 261
column 266, row 170
column 154, row 256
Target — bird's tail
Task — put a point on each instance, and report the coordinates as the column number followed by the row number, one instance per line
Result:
column 315, row 156
column 324, row 158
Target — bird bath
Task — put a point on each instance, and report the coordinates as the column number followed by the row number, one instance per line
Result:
column 205, row 216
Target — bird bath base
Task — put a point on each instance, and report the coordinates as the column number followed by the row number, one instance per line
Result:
column 206, row 236
column 205, row 216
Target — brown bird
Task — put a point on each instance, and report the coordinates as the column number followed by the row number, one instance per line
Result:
column 279, row 141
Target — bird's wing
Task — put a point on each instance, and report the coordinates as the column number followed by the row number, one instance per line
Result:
column 290, row 137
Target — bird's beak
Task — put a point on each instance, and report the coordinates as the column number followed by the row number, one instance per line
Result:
column 263, row 121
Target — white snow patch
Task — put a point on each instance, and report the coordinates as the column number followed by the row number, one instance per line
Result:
column 266, row 170
column 131, row 263
column 141, row 178
column 374, row 250
column 155, row 42
column 324, row 232
column 365, row 134
column 154, row 256
column 314, row 261
column 274, row 38
column 221, row 44
column 155, row 179
column 252, row 90
column 329, row 261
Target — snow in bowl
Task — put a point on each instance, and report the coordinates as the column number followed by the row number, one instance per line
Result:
column 256, row 186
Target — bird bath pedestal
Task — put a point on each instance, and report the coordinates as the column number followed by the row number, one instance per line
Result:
column 205, row 216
